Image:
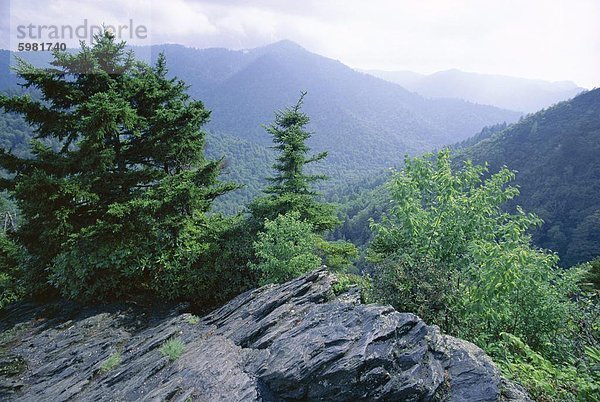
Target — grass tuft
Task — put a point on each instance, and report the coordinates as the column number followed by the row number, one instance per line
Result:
column 193, row 319
column 173, row 348
column 113, row 361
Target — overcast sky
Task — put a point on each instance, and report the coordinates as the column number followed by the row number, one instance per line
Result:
column 547, row 39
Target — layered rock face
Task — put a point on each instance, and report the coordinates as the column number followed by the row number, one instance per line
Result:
column 290, row 342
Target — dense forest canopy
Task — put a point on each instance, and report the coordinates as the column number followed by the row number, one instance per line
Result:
column 555, row 153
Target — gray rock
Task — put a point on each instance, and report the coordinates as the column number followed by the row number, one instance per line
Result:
column 289, row 342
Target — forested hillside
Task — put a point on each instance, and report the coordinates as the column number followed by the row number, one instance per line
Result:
column 556, row 154
column 365, row 123
column 243, row 162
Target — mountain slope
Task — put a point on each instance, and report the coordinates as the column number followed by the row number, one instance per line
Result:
column 365, row 123
column 556, row 153
column 502, row 91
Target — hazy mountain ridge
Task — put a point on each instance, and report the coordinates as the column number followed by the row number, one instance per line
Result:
column 365, row 123
column 507, row 92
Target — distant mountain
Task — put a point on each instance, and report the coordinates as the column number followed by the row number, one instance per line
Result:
column 406, row 79
column 502, row 91
column 364, row 122
column 8, row 78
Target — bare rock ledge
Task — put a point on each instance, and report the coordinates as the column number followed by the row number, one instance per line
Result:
column 290, row 342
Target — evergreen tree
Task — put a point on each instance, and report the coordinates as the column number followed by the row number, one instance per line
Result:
column 291, row 189
column 289, row 217
column 120, row 206
column 290, row 136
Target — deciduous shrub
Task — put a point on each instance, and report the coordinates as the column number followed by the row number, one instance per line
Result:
column 450, row 252
column 285, row 249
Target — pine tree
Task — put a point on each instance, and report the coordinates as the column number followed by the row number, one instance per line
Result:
column 291, row 189
column 120, row 206
column 290, row 136
column 289, row 219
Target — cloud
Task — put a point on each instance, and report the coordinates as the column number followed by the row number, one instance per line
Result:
column 552, row 40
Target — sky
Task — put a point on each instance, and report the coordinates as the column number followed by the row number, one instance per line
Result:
column 553, row 40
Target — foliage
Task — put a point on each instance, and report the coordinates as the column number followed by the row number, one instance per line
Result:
column 453, row 223
column 587, row 298
column 120, row 208
column 346, row 281
column 285, row 249
column 337, row 255
column 590, row 279
column 193, row 319
column 419, row 285
column 291, row 188
column 289, row 247
column 109, row 364
column 516, row 288
column 547, row 381
column 172, row 349
column 12, row 257
column 556, row 153
column 180, row 269
column 12, row 365
column 11, row 280
column 451, row 253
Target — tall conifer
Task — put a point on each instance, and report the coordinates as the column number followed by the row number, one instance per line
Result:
column 109, row 211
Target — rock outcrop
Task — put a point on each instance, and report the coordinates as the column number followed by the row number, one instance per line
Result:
column 294, row 341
